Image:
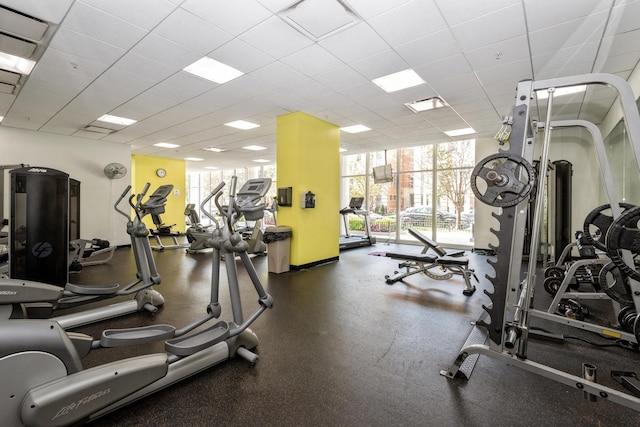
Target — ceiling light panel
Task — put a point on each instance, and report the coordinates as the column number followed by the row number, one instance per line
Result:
column 22, row 25
column 561, row 91
column 355, row 129
column 398, row 81
column 254, row 148
column 214, row 149
column 194, row 159
column 165, row 145
column 460, row 132
column 116, row 120
column 213, row 70
column 241, row 124
column 16, row 64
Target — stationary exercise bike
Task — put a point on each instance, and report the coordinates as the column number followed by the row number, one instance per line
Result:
column 23, row 299
column 42, row 379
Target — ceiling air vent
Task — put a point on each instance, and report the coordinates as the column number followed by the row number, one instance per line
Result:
column 7, row 88
column 22, row 25
column 98, row 129
column 318, row 19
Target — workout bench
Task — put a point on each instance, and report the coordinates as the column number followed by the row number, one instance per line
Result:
column 446, row 263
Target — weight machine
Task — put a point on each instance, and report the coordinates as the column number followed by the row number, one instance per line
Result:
column 506, row 180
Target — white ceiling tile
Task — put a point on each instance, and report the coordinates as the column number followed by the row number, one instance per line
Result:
column 568, row 34
column 249, row 85
column 87, row 20
column 142, row 106
column 511, row 71
column 419, row 18
column 509, row 50
column 65, row 77
column 458, row 11
column 370, row 8
column 380, row 64
column 143, row 13
column 307, row 89
column 241, row 56
column 165, row 51
column 621, row 44
column 444, row 69
column 354, row 43
column 539, row 16
column 67, row 61
column 133, row 63
column 192, row 32
column 429, row 48
column 86, row 47
column 562, row 58
column 233, row 17
column 455, row 83
column 276, row 6
column 341, row 78
column 275, row 38
column 616, row 64
column 279, row 75
column 624, row 17
column 485, row 30
column 312, row 60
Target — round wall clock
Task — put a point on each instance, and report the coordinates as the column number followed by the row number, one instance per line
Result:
column 161, row 172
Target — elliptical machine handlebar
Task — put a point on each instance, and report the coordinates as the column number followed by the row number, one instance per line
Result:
column 207, row 213
column 122, row 196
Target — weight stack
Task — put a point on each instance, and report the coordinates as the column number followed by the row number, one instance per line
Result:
column 562, row 204
column 39, row 225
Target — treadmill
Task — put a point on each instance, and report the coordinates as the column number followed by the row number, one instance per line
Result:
column 349, row 240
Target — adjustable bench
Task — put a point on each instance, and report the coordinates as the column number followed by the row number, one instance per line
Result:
column 441, row 266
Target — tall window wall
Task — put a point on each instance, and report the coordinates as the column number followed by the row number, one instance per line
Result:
column 200, row 185
column 430, row 192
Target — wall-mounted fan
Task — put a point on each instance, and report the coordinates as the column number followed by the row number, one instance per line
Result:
column 115, row 170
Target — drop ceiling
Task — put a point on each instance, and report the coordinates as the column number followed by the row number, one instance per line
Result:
column 126, row 58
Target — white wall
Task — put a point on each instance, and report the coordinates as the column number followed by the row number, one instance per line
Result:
column 84, row 160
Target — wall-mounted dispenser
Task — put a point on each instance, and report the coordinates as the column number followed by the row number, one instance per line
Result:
column 308, row 200
column 284, row 196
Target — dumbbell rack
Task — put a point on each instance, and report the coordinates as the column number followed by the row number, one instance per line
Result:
column 502, row 330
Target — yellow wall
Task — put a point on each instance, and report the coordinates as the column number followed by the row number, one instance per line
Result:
column 144, row 170
column 309, row 160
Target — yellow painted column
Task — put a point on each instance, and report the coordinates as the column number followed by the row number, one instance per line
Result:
column 308, row 156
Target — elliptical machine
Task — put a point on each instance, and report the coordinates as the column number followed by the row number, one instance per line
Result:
column 44, row 383
column 22, row 299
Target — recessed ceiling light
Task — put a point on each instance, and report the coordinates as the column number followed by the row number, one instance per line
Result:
column 261, row 161
column 342, row 150
column 254, row 148
column 425, row 104
column 214, row 149
column 1, row 118
column 460, row 132
column 355, row 129
column 544, row 93
column 211, row 167
column 116, row 120
column 165, row 145
column 16, row 64
column 241, row 124
column 213, row 70
column 194, row 159
column 398, row 81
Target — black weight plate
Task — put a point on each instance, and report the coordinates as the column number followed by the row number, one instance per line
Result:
column 554, row 272
column 552, row 284
column 624, row 234
column 509, row 179
column 601, row 220
column 615, row 284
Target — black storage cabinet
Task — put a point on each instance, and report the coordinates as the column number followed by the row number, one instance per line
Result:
column 39, row 225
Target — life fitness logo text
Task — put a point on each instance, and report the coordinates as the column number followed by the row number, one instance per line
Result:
column 41, row 249
column 37, row 170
